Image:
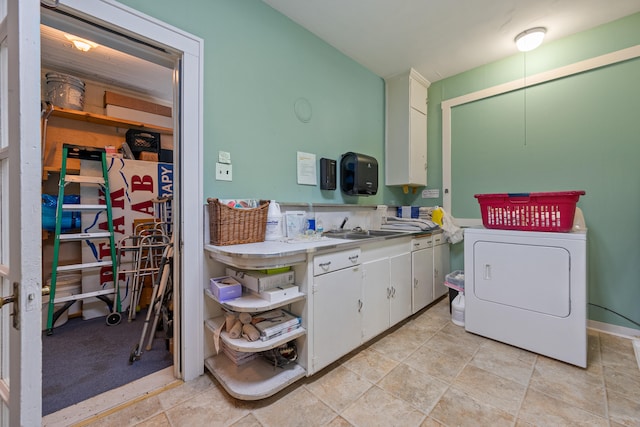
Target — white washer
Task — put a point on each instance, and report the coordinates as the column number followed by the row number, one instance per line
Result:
column 528, row 289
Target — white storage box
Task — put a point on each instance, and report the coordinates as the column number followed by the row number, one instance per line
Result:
column 260, row 282
column 225, row 288
column 280, row 293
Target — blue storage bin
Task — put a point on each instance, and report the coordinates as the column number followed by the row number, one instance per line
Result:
column 70, row 219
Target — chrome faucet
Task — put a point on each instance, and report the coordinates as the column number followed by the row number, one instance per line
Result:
column 344, row 221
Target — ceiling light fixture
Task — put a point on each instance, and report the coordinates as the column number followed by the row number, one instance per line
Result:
column 80, row 43
column 530, row 39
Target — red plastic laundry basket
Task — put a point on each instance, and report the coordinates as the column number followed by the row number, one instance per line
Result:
column 529, row 211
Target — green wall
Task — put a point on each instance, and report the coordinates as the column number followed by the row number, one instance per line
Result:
column 257, row 64
column 577, row 133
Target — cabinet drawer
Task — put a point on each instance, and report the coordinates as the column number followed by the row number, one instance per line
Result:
column 422, row 243
column 327, row 263
column 439, row 239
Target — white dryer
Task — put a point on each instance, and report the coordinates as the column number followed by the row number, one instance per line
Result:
column 528, row 289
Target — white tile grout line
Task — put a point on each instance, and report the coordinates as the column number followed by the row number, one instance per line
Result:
column 636, row 347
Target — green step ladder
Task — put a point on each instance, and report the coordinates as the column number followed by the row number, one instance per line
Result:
column 96, row 154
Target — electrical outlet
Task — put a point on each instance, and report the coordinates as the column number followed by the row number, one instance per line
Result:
column 223, row 172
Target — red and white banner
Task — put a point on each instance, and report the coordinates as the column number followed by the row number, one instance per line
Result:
column 133, row 184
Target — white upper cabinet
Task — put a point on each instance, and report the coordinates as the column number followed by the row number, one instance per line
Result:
column 406, row 130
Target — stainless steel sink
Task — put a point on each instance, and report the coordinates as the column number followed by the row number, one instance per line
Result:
column 385, row 233
column 358, row 235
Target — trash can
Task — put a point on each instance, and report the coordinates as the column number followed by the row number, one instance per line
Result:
column 455, row 282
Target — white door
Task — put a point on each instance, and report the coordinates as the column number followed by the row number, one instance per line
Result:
column 529, row 277
column 20, row 240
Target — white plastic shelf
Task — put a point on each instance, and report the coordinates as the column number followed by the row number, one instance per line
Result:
column 254, row 380
column 252, row 303
column 243, row 345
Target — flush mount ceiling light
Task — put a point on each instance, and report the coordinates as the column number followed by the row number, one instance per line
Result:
column 80, row 43
column 530, row 39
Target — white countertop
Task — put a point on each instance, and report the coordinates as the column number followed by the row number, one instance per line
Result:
column 277, row 247
column 273, row 254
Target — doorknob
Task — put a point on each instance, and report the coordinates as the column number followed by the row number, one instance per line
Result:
column 6, row 300
column 12, row 298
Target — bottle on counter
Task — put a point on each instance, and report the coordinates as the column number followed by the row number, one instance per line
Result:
column 274, row 222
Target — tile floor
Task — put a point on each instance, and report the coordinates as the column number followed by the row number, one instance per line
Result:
column 426, row 372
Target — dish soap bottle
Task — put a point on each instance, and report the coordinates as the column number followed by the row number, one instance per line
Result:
column 274, row 222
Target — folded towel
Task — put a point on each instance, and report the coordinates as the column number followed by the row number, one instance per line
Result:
column 409, row 224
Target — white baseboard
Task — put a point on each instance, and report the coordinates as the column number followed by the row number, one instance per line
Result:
column 636, row 348
column 614, row 329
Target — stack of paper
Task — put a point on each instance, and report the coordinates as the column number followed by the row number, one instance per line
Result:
column 275, row 322
column 237, row 357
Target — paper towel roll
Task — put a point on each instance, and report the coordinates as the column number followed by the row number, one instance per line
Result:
column 229, row 321
column 236, row 331
column 244, row 318
column 250, row 332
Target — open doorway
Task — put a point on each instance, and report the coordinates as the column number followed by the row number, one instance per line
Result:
column 130, row 82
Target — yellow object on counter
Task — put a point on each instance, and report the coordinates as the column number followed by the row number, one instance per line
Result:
column 436, row 216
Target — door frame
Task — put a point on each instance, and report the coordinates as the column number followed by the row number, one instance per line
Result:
column 188, row 108
column 21, row 260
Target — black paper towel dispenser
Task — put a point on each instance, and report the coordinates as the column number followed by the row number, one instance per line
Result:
column 358, row 174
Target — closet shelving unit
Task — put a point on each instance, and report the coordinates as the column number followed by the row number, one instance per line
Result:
column 110, row 132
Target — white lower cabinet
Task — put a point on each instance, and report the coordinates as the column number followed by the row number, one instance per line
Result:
column 375, row 298
column 336, row 297
column 422, row 273
column 346, row 298
column 336, row 315
column 441, row 265
column 386, row 288
column 429, row 266
column 400, row 285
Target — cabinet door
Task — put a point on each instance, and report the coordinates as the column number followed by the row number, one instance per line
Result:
column 336, row 315
column 440, row 269
column 418, row 148
column 375, row 296
column 400, row 285
column 529, row 277
column 418, row 94
column 422, row 268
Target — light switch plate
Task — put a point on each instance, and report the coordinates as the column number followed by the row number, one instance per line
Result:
column 223, row 172
column 224, row 157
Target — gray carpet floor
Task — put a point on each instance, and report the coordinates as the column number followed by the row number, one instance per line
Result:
column 84, row 358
